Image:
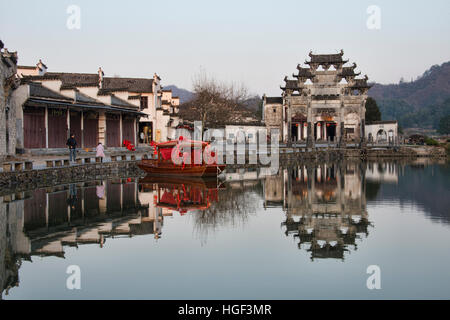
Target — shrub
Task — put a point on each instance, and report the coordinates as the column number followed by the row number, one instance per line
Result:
column 431, row 142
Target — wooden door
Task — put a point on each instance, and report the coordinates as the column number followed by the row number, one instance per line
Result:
column 90, row 131
column 113, row 130
column 57, row 129
column 128, row 130
column 75, row 126
column 34, row 128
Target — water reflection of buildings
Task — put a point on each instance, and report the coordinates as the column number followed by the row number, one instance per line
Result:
column 325, row 206
column 386, row 172
column 44, row 221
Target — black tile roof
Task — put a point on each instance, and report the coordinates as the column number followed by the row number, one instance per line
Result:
column 38, row 90
column 326, row 58
column 73, row 80
column 274, row 100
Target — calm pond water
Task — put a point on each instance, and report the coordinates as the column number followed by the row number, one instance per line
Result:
column 306, row 232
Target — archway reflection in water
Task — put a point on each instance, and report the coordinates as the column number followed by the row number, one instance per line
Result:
column 324, row 208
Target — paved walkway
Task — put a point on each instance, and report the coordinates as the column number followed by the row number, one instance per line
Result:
column 40, row 160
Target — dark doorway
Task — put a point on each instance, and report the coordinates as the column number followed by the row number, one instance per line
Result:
column 145, row 132
column 331, row 131
column 294, row 132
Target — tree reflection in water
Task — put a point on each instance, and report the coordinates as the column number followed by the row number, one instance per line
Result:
column 323, row 207
column 237, row 201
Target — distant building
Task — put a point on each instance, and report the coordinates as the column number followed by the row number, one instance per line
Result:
column 51, row 105
column 382, row 132
column 325, row 102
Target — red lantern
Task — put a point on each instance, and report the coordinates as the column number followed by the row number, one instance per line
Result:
column 305, row 124
column 181, row 138
column 213, row 154
column 328, row 124
column 296, row 124
column 319, row 124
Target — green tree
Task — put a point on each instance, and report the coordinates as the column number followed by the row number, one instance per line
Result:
column 444, row 125
column 372, row 111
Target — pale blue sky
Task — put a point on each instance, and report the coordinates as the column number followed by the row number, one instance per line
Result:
column 253, row 42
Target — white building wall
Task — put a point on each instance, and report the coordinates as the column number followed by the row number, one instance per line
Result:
column 382, row 133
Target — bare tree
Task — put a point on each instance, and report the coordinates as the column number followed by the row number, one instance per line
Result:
column 214, row 102
column 234, row 208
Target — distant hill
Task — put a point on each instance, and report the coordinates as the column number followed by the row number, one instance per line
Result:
column 420, row 103
column 417, row 104
column 185, row 95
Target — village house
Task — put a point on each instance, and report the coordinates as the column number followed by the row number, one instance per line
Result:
column 325, row 102
column 51, row 105
column 8, row 83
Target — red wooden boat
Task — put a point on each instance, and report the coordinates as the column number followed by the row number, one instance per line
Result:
column 184, row 152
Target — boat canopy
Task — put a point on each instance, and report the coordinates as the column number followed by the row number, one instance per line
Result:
column 182, row 143
column 165, row 148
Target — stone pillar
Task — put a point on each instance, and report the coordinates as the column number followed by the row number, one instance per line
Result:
column 120, row 129
column 102, row 128
column 341, row 133
column 68, row 124
column 299, row 132
column 309, row 139
column 363, row 133
column 136, row 139
column 289, row 126
column 82, row 129
column 46, row 127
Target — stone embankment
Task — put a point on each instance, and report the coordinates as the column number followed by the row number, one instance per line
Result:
column 30, row 179
column 26, row 176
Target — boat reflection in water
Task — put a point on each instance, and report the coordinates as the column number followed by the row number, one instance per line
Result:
column 44, row 221
column 182, row 195
column 325, row 206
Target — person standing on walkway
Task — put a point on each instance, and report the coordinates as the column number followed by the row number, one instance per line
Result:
column 100, row 151
column 72, row 144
